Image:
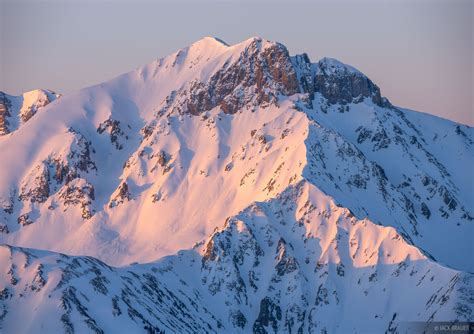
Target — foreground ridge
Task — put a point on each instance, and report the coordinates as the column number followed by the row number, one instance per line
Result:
column 278, row 266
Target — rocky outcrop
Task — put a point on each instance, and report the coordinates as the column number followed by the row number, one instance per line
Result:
column 35, row 187
column 113, row 128
column 340, row 83
column 28, row 111
column 285, row 263
column 268, row 316
column 305, row 73
column 17, row 110
column 121, row 195
column 78, row 158
column 60, row 177
column 24, row 219
column 5, row 106
column 78, row 193
column 163, row 159
column 256, row 78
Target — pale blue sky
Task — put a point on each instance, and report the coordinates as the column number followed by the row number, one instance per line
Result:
column 418, row 52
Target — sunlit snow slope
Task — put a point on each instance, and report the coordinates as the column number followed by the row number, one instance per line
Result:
column 17, row 110
column 296, row 188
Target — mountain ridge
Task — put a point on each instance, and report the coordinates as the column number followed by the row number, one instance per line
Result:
column 17, row 110
column 235, row 267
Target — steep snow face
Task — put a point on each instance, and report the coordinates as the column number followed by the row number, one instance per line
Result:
column 17, row 110
column 156, row 158
column 358, row 152
column 176, row 186
column 152, row 161
column 298, row 260
column 288, row 264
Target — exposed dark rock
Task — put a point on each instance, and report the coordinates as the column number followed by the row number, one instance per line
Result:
column 262, row 139
column 210, row 253
column 163, row 158
column 4, row 229
column 305, row 75
column 112, row 126
column 116, row 311
column 448, row 198
column 269, row 315
column 36, row 187
column 238, row 319
column 339, row 83
column 156, row 196
column 123, row 191
column 122, row 195
column 80, row 153
column 256, row 78
column 380, row 139
column 38, row 281
column 425, row 210
column 5, row 106
column 357, row 181
column 24, row 220
column 340, row 269
column 26, row 112
column 229, row 166
column 286, row 264
column 79, row 192
column 458, row 131
column 69, row 299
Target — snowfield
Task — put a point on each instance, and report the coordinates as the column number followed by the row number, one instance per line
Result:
column 232, row 189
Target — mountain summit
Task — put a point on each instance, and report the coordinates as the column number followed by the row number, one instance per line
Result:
column 17, row 110
column 235, row 188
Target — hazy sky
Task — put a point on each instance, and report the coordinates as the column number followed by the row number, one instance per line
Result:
column 418, row 52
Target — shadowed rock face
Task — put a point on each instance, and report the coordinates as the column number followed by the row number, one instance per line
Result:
column 259, row 76
column 5, row 106
column 339, row 83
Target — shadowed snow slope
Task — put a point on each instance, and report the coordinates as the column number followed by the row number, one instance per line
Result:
column 296, row 188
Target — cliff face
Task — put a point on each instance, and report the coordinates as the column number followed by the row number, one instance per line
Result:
column 5, row 106
column 342, row 84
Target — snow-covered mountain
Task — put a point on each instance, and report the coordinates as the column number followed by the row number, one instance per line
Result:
column 17, row 110
column 295, row 189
